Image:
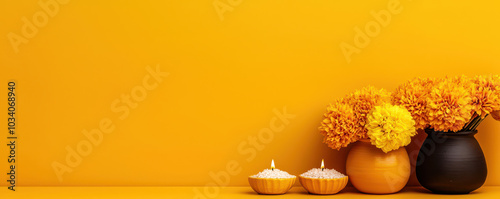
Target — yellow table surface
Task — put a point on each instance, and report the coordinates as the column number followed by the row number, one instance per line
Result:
column 226, row 192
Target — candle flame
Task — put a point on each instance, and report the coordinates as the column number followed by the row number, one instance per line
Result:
column 322, row 164
column 272, row 164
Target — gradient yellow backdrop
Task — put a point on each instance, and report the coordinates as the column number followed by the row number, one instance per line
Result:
column 232, row 65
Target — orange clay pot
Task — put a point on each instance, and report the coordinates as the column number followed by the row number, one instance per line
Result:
column 373, row 171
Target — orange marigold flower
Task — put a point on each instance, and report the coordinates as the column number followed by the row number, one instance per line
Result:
column 485, row 94
column 448, row 106
column 412, row 95
column 362, row 101
column 462, row 80
column 340, row 126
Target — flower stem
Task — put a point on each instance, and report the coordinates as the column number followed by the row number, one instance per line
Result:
column 479, row 122
column 471, row 123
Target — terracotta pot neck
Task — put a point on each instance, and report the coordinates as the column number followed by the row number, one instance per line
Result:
column 365, row 140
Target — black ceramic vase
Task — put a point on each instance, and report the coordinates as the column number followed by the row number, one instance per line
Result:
column 451, row 163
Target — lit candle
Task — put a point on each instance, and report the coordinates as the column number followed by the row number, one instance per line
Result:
column 272, row 181
column 323, row 181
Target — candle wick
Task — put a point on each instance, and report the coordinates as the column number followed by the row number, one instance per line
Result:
column 322, row 169
column 272, row 169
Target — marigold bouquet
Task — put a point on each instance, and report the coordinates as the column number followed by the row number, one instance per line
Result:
column 367, row 113
column 450, row 104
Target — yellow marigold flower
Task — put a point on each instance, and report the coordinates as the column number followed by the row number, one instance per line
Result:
column 485, row 94
column 390, row 127
column 339, row 126
column 448, row 106
column 412, row 95
column 362, row 101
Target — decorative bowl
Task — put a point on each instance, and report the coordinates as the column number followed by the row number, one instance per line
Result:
column 271, row 185
column 323, row 186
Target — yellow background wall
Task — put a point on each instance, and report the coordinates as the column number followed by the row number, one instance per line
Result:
column 227, row 78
